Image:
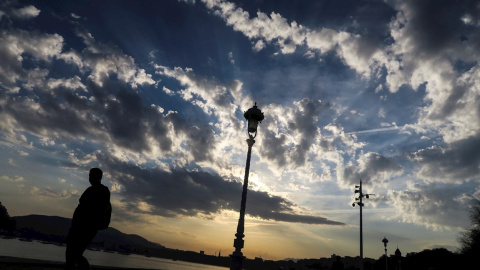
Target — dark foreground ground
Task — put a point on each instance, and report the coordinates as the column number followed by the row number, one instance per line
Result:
column 11, row 263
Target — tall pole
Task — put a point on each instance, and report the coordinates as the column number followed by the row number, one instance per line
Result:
column 254, row 116
column 237, row 256
column 360, row 203
column 361, row 227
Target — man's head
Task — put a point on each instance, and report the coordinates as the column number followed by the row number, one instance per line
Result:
column 95, row 176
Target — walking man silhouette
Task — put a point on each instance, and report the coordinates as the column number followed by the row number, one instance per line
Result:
column 92, row 214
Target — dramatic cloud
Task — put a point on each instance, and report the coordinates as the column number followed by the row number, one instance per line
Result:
column 432, row 45
column 14, row 45
column 419, row 55
column 179, row 192
column 103, row 110
column 105, row 60
column 371, row 167
column 433, row 206
column 457, row 163
column 293, row 133
column 357, row 52
column 209, row 95
column 262, row 28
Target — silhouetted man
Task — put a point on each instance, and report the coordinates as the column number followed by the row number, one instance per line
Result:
column 337, row 264
column 92, row 214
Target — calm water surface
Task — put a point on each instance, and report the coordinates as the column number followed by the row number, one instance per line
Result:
column 36, row 250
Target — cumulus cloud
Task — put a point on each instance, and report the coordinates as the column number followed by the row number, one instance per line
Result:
column 26, row 12
column 14, row 179
column 101, row 109
column 271, row 29
column 104, row 60
column 370, row 168
column 425, row 49
column 434, row 206
column 454, row 164
column 15, row 44
column 430, row 40
column 288, row 137
column 209, row 95
column 296, row 148
column 216, row 100
column 291, row 136
column 356, row 51
column 112, row 114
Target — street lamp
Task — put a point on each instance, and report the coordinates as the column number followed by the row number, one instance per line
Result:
column 358, row 189
column 253, row 117
column 385, row 241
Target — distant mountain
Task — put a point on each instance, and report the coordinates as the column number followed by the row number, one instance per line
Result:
column 55, row 229
column 48, row 225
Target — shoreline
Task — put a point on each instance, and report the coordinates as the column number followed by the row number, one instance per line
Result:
column 16, row 263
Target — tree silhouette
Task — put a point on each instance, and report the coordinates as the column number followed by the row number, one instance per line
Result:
column 6, row 223
column 470, row 238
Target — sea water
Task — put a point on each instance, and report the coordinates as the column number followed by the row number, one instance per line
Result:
column 48, row 252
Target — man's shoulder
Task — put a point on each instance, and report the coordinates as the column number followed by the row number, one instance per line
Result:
column 100, row 188
column 104, row 188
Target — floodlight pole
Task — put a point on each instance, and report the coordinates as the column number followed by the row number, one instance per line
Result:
column 360, row 204
column 361, row 227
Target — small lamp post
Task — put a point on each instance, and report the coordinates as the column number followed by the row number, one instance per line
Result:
column 253, row 116
column 385, row 241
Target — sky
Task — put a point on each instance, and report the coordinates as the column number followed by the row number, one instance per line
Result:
column 153, row 93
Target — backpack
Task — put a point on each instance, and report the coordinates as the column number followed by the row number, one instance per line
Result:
column 105, row 218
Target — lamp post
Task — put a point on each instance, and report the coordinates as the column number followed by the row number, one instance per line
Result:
column 253, row 117
column 385, row 241
column 358, row 189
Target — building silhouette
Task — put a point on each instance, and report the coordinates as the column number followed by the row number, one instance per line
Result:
column 397, row 260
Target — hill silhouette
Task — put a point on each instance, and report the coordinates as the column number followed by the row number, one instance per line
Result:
column 55, row 229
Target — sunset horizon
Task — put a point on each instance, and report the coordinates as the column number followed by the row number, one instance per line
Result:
column 154, row 93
